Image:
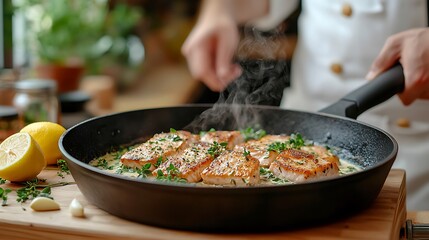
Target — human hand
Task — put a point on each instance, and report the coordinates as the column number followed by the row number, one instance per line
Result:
column 411, row 49
column 210, row 48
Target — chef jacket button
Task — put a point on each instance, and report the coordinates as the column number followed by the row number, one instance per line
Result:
column 403, row 122
column 336, row 68
column 347, row 10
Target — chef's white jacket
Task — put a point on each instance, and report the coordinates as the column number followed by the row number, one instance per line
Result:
column 337, row 43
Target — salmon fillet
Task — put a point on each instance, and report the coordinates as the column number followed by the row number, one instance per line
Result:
column 232, row 138
column 300, row 166
column 322, row 152
column 188, row 163
column 161, row 145
column 260, row 149
column 233, row 168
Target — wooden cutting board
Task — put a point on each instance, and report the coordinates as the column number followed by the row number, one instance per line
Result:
column 381, row 221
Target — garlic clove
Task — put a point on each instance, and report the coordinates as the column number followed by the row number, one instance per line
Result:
column 44, row 204
column 76, row 209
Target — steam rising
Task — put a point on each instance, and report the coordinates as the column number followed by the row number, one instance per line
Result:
column 262, row 82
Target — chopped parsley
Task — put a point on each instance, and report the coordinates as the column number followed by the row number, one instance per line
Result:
column 250, row 133
column 296, row 141
column 269, row 176
column 217, row 148
column 125, row 169
column 144, row 171
column 246, row 154
column 277, row 147
column 202, row 133
column 103, row 164
column 171, row 176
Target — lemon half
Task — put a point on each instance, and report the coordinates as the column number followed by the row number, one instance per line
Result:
column 21, row 158
column 46, row 135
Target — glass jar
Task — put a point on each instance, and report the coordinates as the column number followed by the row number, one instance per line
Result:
column 36, row 100
column 9, row 122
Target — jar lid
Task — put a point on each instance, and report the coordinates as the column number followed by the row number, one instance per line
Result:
column 36, row 84
column 7, row 112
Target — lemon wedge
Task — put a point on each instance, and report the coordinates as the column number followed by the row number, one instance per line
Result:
column 46, row 135
column 21, row 158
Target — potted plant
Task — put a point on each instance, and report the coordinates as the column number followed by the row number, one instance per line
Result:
column 62, row 34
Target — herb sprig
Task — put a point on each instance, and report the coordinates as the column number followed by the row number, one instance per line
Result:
column 267, row 174
column 30, row 191
column 171, row 176
column 3, row 195
column 217, row 148
column 296, row 141
column 250, row 133
column 144, row 171
column 62, row 168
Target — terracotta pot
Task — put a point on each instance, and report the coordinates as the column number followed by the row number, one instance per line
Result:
column 67, row 77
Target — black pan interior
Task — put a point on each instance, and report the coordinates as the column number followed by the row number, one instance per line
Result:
column 226, row 209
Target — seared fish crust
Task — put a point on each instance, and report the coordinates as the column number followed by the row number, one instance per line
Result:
column 232, row 138
column 160, row 145
column 189, row 163
column 260, row 148
column 236, row 168
column 299, row 166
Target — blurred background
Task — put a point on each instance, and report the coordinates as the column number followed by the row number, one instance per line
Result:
column 109, row 56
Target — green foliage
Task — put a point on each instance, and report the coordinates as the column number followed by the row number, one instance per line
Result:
column 67, row 30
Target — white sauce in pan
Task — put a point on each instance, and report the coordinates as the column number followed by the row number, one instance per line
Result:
column 110, row 162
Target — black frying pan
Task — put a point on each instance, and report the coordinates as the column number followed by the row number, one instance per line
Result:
column 260, row 208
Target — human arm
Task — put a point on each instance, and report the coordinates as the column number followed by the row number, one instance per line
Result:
column 210, row 47
column 411, row 49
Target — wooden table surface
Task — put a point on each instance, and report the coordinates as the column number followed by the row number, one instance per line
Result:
column 381, row 221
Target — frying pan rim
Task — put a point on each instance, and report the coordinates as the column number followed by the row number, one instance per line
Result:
column 170, row 185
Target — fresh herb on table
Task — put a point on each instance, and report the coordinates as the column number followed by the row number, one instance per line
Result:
column 171, row 176
column 217, row 148
column 62, row 168
column 30, row 191
column 2, row 181
column 3, row 195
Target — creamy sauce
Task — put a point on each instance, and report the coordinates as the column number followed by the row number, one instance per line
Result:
column 111, row 163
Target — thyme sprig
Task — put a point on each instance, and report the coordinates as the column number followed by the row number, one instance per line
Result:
column 62, row 168
column 3, row 195
column 30, row 191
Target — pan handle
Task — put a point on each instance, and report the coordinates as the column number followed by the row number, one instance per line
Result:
column 376, row 91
